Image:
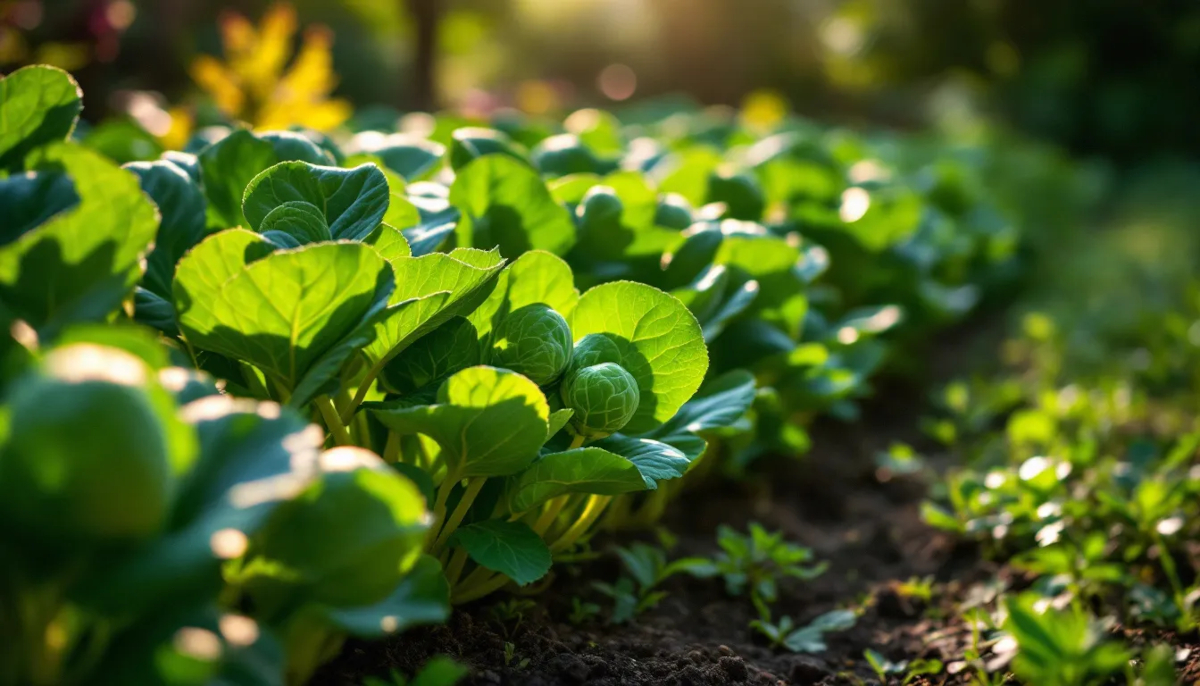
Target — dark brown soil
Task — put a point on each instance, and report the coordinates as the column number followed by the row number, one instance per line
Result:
column 832, row 501
column 865, row 525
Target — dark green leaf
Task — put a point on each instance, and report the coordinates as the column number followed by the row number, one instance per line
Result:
column 510, row 548
column 505, row 204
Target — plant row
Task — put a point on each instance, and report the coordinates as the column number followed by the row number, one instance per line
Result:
column 274, row 390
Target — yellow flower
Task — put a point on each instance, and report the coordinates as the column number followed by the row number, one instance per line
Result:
column 256, row 84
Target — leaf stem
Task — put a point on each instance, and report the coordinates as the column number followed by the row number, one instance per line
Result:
column 364, row 387
column 577, row 442
column 439, row 505
column 460, row 511
column 455, row 568
column 553, row 508
column 591, row 512
column 468, row 592
column 391, row 449
column 332, row 421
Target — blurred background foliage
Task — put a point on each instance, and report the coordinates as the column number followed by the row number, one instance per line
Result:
column 1106, row 77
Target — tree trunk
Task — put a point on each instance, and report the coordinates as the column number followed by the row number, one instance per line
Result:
column 425, row 14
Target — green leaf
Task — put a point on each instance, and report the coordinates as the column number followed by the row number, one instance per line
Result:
column 295, row 223
column 250, row 460
column 660, row 343
column 443, row 285
column 488, row 421
column 390, row 242
column 450, row 348
column 296, row 315
column 470, row 143
column 39, row 105
column 218, row 258
column 811, row 638
column 939, row 517
column 536, row 277
column 230, row 164
column 31, row 199
column 655, row 460
column 510, row 548
column 226, row 168
column 716, row 296
column 892, row 214
column 401, row 213
column 122, row 140
column 721, row 403
column 691, row 171
column 440, row 671
column 423, row 597
column 411, row 157
column 82, row 263
column 438, row 218
column 182, row 207
column 582, row 470
column 353, row 201
column 741, row 194
column 773, row 263
column 291, row 145
column 137, row 340
column 505, row 204
column 346, row 541
column 559, row 419
column 76, row 441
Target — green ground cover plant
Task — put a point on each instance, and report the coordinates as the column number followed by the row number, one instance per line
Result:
column 298, row 388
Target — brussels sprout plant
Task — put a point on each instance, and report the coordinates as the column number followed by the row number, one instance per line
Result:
column 281, row 388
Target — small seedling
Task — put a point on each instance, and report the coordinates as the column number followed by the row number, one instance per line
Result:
column 511, row 612
column 510, row 654
column 439, row 671
column 882, row 666
column 582, row 612
column 646, row 567
column 806, row 639
column 757, row 561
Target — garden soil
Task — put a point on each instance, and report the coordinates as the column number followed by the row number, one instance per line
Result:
column 865, row 524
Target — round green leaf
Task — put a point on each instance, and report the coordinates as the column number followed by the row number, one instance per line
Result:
column 488, row 421
column 660, row 343
column 510, row 548
column 505, row 204
column 422, row 597
column 82, row 263
column 443, row 286
column 39, row 105
column 451, row 347
column 296, row 315
column 582, row 470
column 353, row 201
column 348, row 539
column 84, row 432
column 181, row 206
column 536, row 277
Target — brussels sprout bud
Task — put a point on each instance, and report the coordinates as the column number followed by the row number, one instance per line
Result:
column 604, row 398
column 87, row 455
column 593, row 349
column 535, row 341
